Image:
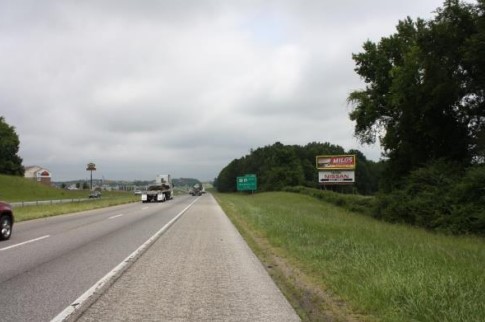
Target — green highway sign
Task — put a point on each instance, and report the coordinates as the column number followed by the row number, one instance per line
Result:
column 249, row 182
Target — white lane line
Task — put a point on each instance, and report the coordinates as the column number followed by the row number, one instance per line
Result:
column 144, row 208
column 25, row 242
column 76, row 308
column 113, row 217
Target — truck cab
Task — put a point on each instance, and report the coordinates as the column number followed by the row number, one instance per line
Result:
column 161, row 191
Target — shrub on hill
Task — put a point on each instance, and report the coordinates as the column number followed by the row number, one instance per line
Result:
column 352, row 202
column 442, row 196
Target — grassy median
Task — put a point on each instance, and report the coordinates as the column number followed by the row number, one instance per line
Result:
column 42, row 211
column 335, row 264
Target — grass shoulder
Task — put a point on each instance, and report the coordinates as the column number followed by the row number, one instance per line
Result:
column 334, row 264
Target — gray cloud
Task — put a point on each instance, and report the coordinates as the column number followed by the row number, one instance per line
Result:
column 142, row 88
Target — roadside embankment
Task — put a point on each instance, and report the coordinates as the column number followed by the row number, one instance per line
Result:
column 335, row 264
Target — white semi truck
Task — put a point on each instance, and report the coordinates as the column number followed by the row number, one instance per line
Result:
column 161, row 191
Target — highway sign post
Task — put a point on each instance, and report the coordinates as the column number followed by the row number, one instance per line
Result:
column 249, row 182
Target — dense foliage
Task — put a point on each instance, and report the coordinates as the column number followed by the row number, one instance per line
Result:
column 278, row 166
column 425, row 101
column 425, row 93
column 10, row 162
column 442, row 196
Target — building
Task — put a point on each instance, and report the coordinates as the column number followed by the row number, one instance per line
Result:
column 38, row 174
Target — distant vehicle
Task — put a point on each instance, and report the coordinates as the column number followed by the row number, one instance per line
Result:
column 137, row 192
column 196, row 190
column 95, row 195
column 6, row 220
column 162, row 190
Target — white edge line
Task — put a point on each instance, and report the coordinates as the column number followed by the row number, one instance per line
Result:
column 76, row 308
column 25, row 242
column 116, row 216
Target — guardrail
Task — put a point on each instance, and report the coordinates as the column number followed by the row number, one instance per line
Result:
column 46, row 202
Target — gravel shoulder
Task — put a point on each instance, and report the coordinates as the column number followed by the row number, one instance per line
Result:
column 201, row 269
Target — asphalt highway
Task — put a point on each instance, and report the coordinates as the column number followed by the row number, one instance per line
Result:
column 48, row 263
column 200, row 269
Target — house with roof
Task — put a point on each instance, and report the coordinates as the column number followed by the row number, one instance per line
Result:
column 39, row 174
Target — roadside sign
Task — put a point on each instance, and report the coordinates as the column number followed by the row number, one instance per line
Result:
column 249, row 182
column 336, row 162
column 336, row 177
column 336, row 169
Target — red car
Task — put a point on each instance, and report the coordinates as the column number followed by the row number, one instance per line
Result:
column 6, row 220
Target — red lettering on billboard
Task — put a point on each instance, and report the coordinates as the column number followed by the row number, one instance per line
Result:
column 329, row 162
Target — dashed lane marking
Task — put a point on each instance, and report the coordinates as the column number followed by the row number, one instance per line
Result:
column 25, row 242
column 76, row 308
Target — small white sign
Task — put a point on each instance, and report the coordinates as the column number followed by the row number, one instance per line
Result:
column 334, row 176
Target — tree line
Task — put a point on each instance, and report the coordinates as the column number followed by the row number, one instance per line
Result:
column 278, row 166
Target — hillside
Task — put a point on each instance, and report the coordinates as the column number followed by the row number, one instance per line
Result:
column 14, row 188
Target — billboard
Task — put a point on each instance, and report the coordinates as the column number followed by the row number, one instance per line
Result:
column 336, row 177
column 336, row 162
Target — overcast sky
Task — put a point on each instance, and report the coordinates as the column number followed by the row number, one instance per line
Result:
column 182, row 87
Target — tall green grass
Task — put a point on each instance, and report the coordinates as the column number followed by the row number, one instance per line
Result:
column 391, row 272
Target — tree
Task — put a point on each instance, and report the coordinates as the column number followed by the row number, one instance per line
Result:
column 425, row 93
column 10, row 162
column 226, row 181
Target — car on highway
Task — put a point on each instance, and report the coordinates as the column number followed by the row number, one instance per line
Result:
column 95, row 195
column 6, row 220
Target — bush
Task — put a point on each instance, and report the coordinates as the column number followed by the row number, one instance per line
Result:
column 351, row 202
column 441, row 196
column 469, row 194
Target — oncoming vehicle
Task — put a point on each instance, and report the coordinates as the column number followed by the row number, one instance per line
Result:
column 6, row 220
column 95, row 195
